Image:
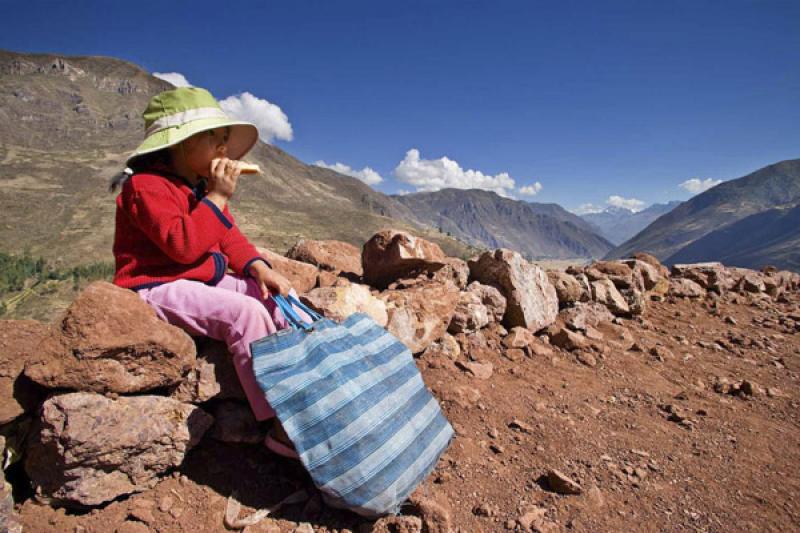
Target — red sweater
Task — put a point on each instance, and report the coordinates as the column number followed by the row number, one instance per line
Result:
column 165, row 231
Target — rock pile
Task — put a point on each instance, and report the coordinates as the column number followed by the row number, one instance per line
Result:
column 117, row 398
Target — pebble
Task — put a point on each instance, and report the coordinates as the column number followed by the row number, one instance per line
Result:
column 561, row 483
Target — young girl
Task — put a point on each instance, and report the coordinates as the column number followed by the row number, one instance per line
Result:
column 175, row 236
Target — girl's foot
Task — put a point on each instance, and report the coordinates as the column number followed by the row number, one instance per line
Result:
column 278, row 441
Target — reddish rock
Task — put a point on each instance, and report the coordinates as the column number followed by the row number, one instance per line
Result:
column 333, row 256
column 435, row 516
column 392, row 254
column 685, row 288
column 562, row 484
column 470, row 313
column 420, row 315
column 477, row 369
column 519, row 338
column 492, row 298
column 9, row 521
column 585, row 315
column 652, row 261
column 18, row 341
column 712, row 276
column 398, row 524
column 213, row 376
column 569, row 340
column 616, row 271
column 455, row 271
column 88, row 449
column 605, row 292
column 111, row 340
column 567, row 287
column 326, row 279
column 303, row 276
column 531, row 299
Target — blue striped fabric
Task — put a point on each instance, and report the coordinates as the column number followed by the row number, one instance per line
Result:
column 353, row 402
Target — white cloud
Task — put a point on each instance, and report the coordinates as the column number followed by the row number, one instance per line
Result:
column 403, row 192
column 588, row 208
column 366, row 174
column 628, row 203
column 531, row 190
column 271, row 121
column 429, row 175
column 175, row 78
column 696, row 185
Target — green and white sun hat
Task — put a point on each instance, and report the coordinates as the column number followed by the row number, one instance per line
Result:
column 174, row 115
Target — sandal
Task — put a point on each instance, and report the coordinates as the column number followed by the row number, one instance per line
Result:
column 278, row 446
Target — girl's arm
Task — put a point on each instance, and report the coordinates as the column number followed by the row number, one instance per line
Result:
column 184, row 237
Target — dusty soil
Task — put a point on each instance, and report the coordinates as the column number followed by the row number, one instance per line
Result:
column 651, row 442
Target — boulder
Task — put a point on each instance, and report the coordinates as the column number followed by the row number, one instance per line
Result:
column 652, row 261
column 392, row 254
column 685, row 288
column 110, row 340
column 712, row 276
column 752, row 282
column 339, row 302
column 88, row 449
column 18, row 341
column 492, row 298
column 470, row 313
column 616, row 271
column 333, row 256
column 567, row 287
column 455, row 270
column 531, row 299
column 419, row 316
column 583, row 315
column 605, row 292
column 213, row 376
column 569, row 340
column 303, row 276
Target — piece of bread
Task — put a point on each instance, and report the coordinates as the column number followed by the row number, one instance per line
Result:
column 250, row 168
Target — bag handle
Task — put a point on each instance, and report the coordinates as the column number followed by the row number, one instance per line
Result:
column 285, row 305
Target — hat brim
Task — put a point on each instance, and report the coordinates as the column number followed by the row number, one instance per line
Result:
column 242, row 138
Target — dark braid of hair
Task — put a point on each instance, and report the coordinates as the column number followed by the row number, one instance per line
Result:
column 141, row 164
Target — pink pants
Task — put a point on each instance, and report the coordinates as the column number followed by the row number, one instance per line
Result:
column 233, row 312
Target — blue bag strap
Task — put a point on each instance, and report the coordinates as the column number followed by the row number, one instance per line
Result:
column 291, row 315
column 303, row 307
column 294, row 320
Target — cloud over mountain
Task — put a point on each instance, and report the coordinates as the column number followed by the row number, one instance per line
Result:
column 366, row 174
column 696, row 185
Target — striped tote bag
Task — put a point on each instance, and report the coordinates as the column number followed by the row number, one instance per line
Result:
column 354, row 404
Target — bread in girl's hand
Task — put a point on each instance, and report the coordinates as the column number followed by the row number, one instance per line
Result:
column 249, row 168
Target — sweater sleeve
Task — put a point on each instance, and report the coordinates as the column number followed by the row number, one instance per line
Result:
column 240, row 251
column 183, row 236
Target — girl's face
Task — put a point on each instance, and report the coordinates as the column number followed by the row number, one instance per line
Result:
column 200, row 149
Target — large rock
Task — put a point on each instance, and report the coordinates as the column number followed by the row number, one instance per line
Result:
column 454, row 270
column 420, row 315
column 303, row 276
column 338, row 303
column 470, row 313
column 213, row 376
column 18, row 340
column 392, row 254
column 585, row 314
column 652, row 261
column 712, row 276
column 685, row 288
column 567, row 287
column 111, row 340
column 334, row 256
column 89, row 449
column 616, row 271
column 531, row 300
column 605, row 292
column 492, row 298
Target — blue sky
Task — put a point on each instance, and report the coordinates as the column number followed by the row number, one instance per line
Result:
column 592, row 100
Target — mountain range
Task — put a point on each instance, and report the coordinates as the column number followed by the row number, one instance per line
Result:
column 485, row 219
column 723, row 223
column 618, row 224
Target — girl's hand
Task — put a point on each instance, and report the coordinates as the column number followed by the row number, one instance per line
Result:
column 224, row 176
column 268, row 280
